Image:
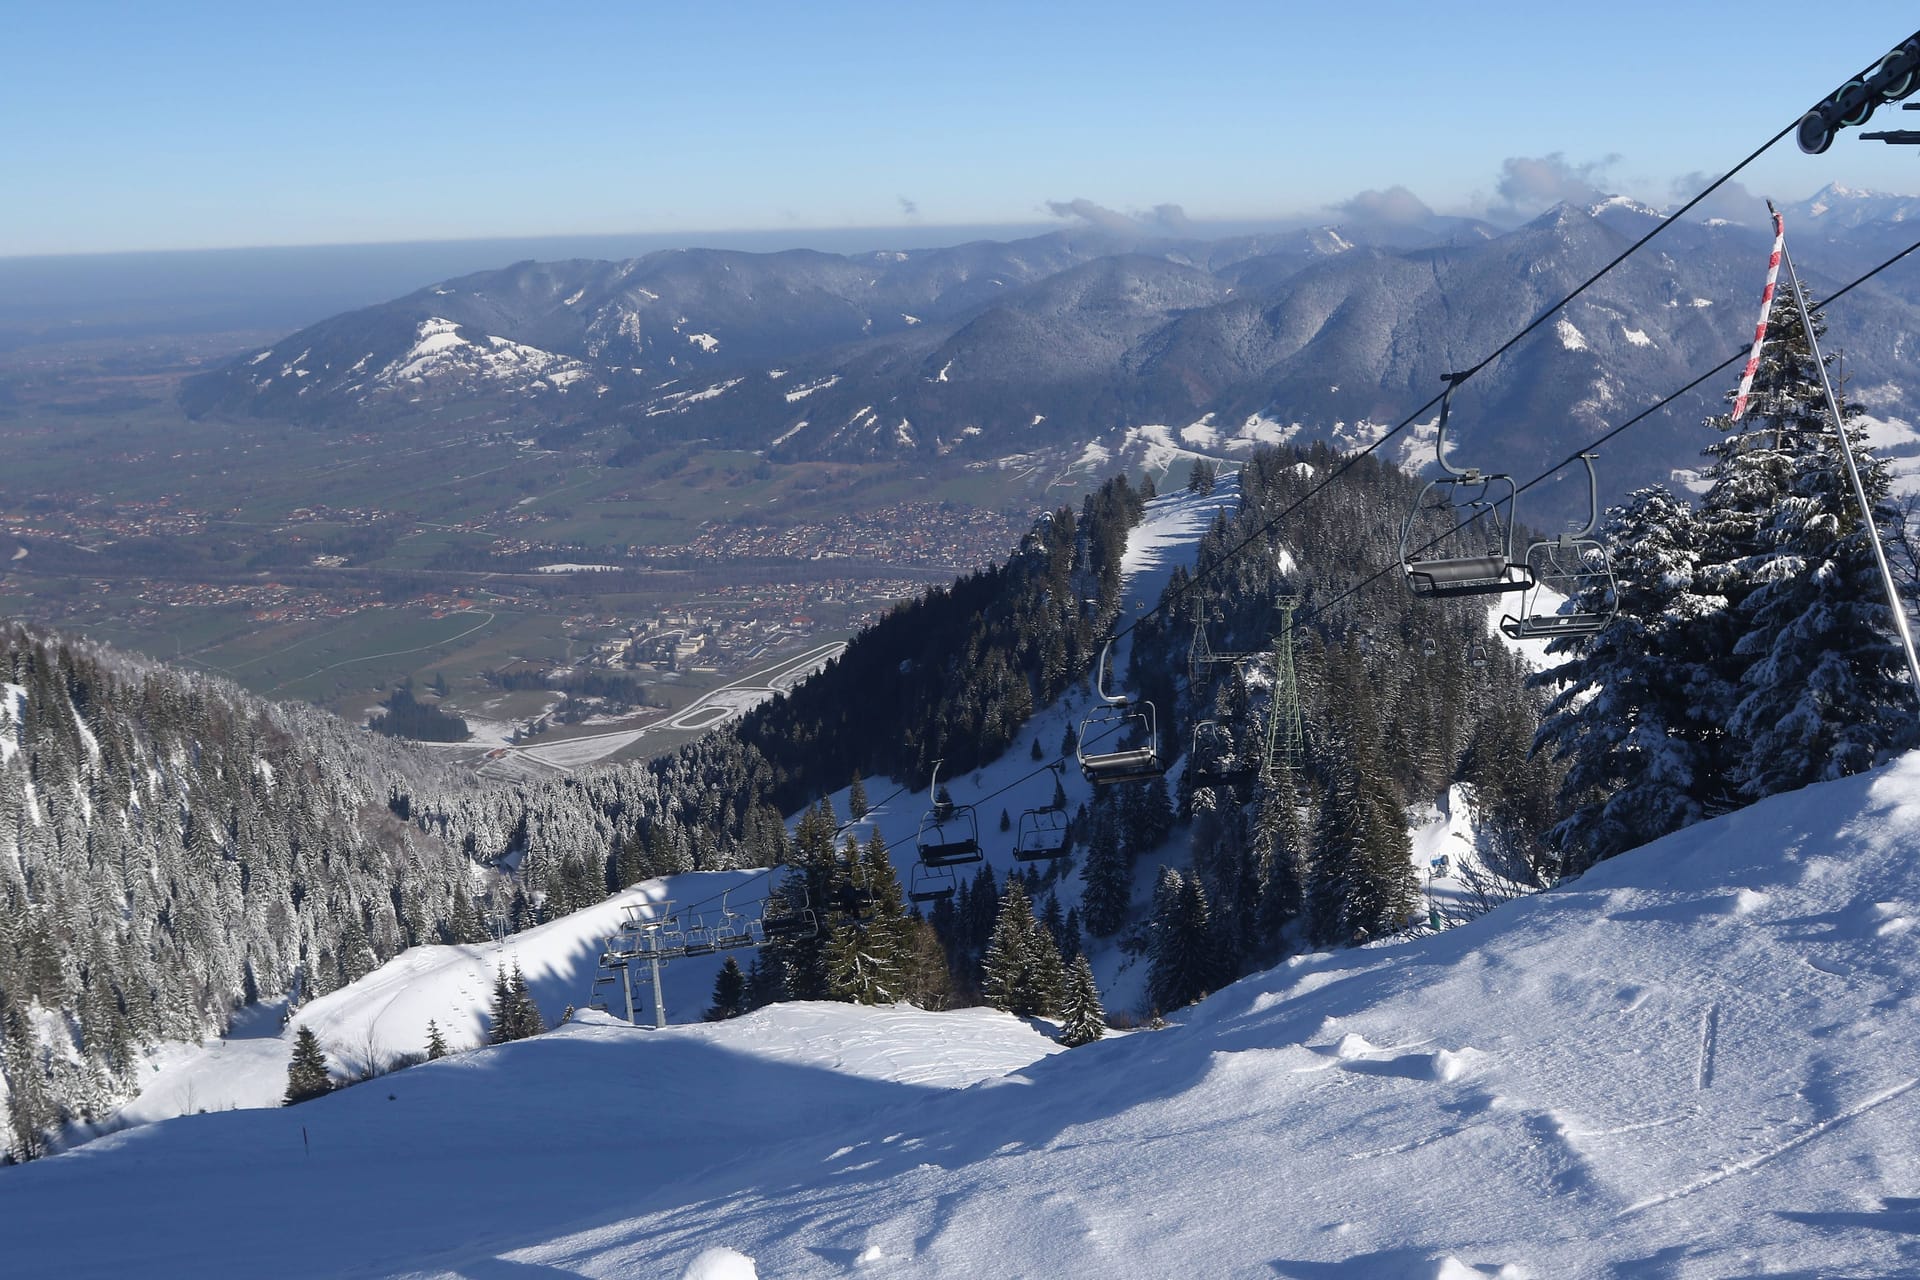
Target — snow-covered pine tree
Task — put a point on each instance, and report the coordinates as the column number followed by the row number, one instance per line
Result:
column 500, row 1012
column 1184, row 953
column 31, row 1110
column 1822, row 690
column 729, row 993
column 1082, row 1020
column 525, row 1014
column 1106, row 872
column 307, row 1071
column 1022, row 973
column 1624, row 716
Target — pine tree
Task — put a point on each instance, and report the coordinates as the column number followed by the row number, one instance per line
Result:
column 857, row 798
column 307, row 1072
column 1108, row 876
column 524, row 1013
column 729, row 993
column 865, row 952
column 1021, row 973
column 500, row 1010
column 1082, row 1020
column 1184, row 952
column 1751, row 652
column 436, row 1043
column 31, row 1109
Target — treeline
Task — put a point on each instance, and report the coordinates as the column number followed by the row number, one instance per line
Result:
column 955, row 673
column 172, row 848
column 406, row 717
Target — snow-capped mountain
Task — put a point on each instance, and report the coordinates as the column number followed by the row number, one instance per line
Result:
column 1047, row 344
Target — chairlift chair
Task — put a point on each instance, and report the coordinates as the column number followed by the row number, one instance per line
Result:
column 948, row 835
column 797, row 922
column 1574, row 567
column 1129, row 724
column 732, row 928
column 932, row 884
column 1214, row 761
column 1041, row 836
column 1440, row 576
column 700, row 939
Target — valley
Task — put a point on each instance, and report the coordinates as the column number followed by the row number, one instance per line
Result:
column 330, row 566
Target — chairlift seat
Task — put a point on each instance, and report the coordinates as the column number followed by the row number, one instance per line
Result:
column 1135, row 764
column 951, row 854
column 1474, row 576
column 1552, row 625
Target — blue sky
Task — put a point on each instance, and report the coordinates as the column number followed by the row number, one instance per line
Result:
column 147, row 126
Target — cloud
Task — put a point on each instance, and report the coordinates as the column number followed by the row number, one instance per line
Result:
column 1395, row 206
column 1733, row 201
column 1094, row 215
column 1173, row 218
column 909, row 207
column 1529, row 184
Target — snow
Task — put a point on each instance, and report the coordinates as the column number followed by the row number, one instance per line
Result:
column 788, row 434
column 945, row 369
column 721, row 1264
column 705, row 341
column 1570, row 338
column 1700, row 1059
column 910, row 320
column 807, row 389
column 576, row 568
column 574, row 297
column 13, row 716
column 1637, row 337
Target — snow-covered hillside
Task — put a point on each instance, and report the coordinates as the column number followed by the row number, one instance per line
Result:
column 1700, row 1059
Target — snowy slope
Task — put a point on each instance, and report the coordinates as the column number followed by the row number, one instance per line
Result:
column 1700, row 1059
column 385, row 1014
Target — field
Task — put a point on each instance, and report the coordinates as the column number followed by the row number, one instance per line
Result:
column 333, row 565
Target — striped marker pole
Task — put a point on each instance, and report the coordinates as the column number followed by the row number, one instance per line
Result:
column 1766, row 310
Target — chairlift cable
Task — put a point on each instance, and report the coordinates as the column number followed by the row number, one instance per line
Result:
column 1608, row 435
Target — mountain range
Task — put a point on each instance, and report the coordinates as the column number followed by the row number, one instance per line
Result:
column 1094, row 337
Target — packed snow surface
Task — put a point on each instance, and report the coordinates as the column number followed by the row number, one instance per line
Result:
column 1699, row 1059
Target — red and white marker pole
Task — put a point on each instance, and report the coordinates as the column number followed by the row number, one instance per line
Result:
column 1766, row 310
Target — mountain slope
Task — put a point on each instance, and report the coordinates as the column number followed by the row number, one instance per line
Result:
column 1698, row 1060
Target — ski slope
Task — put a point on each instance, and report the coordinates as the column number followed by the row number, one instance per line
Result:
column 1701, row 1059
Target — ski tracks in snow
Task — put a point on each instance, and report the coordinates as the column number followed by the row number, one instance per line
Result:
column 1798, row 1140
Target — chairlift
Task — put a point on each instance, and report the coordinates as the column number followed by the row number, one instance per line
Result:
column 1495, row 571
column 1041, row 836
column 1128, row 725
column 1573, row 567
column 932, row 884
column 1214, row 761
column 795, row 922
column 733, row 929
column 948, row 834
column 700, row 939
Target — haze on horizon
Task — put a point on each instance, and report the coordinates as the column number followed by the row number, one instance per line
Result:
column 214, row 126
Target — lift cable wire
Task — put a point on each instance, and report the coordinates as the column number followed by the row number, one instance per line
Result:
column 1602, row 439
